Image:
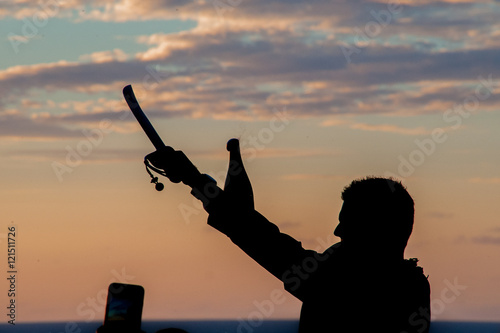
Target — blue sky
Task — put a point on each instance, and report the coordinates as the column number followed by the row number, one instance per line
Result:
column 63, row 39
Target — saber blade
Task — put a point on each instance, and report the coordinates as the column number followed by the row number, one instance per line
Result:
column 141, row 117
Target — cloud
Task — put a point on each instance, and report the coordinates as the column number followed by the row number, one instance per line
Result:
column 213, row 82
column 103, row 155
column 45, row 126
column 216, row 72
column 308, row 177
column 491, row 237
column 105, row 56
column 488, row 240
column 384, row 128
column 333, row 122
column 72, row 76
column 391, row 129
column 97, row 155
column 18, row 38
column 480, row 180
column 439, row 215
column 249, row 151
column 242, row 63
column 20, row 127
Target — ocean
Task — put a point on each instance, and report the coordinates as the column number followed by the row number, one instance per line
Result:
column 227, row 326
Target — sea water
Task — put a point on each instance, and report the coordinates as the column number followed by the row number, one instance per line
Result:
column 227, row 326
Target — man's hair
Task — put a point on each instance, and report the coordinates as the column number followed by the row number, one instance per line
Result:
column 387, row 202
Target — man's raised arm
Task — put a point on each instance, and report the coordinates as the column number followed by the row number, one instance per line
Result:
column 278, row 253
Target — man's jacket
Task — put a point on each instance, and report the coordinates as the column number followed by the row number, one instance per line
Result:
column 338, row 294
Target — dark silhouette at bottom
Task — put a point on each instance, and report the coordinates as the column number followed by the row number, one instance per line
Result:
column 361, row 284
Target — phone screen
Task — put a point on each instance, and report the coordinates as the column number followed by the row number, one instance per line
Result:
column 124, row 305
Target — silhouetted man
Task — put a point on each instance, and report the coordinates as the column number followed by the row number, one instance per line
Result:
column 361, row 284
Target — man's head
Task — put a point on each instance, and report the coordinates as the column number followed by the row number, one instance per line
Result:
column 376, row 210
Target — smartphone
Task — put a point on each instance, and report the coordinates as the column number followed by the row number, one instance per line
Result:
column 124, row 307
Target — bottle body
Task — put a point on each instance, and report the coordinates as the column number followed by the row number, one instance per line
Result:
column 237, row 185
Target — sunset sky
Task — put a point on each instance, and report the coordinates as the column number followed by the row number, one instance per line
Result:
column 319, row 93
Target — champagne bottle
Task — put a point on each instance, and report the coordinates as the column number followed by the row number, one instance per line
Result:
column 237, row 185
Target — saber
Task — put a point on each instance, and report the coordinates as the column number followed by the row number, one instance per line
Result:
column 168, row 162
column 150, row 131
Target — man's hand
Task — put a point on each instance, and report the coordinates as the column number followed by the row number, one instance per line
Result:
column 178, row 168
column 176, row 165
